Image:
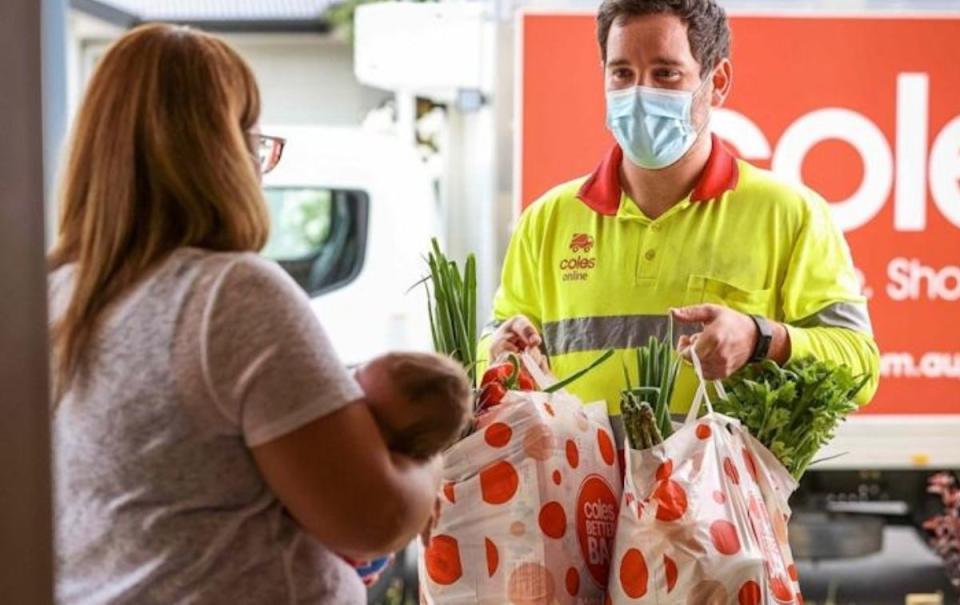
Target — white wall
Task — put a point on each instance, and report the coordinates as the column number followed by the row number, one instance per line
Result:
column 304, row 78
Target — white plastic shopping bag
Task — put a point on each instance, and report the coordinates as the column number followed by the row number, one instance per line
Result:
column 703, row 519
column 529, row 507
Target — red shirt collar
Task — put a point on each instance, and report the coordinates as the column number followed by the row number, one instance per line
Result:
column 601, row 191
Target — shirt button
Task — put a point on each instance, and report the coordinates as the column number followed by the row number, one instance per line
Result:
column 651, row 254
column 656, row 228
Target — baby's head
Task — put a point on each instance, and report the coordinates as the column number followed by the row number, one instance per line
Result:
column 421, row 401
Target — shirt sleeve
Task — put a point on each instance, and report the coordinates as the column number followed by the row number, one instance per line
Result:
column 265, row 359
column 825, row 314
column 519, row 292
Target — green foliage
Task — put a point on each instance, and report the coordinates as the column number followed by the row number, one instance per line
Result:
column 793, row 410
column 452, row 305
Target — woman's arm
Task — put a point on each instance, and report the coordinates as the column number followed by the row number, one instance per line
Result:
column 272, row 374
column 340, row 482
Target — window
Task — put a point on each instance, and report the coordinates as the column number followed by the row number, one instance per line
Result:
column 318, row 235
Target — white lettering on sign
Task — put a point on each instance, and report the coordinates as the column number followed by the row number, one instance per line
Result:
column 832, row 123
column 912, row 280
column 930, row 365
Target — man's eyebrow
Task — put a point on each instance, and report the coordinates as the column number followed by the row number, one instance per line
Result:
column 668, row 62
column 657, row 61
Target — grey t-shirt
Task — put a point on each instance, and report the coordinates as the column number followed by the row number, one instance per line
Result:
column 158, row 499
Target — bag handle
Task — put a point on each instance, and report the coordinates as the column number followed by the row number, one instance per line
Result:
column 543, row 379
column 702, row 397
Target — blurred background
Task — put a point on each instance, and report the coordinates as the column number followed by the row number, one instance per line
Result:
column 409, row 119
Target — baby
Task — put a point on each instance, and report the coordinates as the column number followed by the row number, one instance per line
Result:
column 422, row 403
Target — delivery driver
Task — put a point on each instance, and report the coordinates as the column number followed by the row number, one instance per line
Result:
column 752, row 267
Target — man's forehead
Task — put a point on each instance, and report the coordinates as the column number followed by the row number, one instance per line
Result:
column 660, row 38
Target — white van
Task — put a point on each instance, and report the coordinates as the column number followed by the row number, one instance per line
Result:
column 352, row 216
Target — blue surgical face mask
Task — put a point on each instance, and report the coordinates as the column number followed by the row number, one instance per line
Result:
column 653, row 126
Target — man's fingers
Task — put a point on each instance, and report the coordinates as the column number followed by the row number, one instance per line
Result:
column 523, row 332
column 695, row 314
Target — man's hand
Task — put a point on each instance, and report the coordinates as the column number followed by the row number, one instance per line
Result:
column 727, row 340
column 517, row 335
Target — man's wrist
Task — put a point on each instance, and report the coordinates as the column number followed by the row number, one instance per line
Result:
column 780, row 347
column 763, row 340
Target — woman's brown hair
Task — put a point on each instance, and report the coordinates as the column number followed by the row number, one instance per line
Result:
column 160, row 158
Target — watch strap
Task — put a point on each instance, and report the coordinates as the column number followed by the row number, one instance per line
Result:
column 764, row 338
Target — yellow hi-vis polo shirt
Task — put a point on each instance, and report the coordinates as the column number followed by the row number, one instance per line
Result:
column 592, row 272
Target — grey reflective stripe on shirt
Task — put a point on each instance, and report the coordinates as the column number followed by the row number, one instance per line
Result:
column 852, row 316
column 616, row 332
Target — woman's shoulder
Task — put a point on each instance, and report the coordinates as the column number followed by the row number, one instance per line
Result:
column 237, row 283
column 236, row 269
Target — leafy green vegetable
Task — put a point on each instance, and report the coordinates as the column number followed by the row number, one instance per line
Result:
column 657, row 368
column 452, row 306
column 639, row 422
column 793, row 410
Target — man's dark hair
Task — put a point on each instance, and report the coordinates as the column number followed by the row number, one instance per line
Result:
column 707, row 27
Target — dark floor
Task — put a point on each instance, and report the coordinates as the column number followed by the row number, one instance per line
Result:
column 905, row 566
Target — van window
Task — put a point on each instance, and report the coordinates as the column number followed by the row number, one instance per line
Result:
column 318, row 235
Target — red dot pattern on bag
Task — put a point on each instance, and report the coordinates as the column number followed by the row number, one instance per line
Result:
column 498, row 434
column 539, row 442
column 498, row 483
column 792, row 570
column 751, row 464
column 557, row 477
column 633, row 574
column 749, row 593
column 707, row 592
column 781, row 590
column 582, row 422
column 596, row 521
column 670, row 569
column 531, row 584
column 443, row 560
column 723, row 534
column 449, row 493
column 573, row 454
column 731, row 470
column 703, row 431
column 671, row 501
column 607, row 452
column 697, row 462
column 719, row 497
column 553, row 520
column 493, row 556
column 573, row 582
column 665, row 470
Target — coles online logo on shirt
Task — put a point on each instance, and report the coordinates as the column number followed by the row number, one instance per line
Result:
column 577, row 268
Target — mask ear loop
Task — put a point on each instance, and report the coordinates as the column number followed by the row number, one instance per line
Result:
column 693, row 98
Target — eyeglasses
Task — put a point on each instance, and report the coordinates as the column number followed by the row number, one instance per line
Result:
column 269, row 150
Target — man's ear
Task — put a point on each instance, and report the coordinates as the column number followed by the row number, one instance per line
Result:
column 722, row 82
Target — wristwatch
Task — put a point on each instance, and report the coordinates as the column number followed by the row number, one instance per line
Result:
column 764, row 338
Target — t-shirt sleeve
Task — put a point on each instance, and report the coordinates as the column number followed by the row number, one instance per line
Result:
column 265, row 360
